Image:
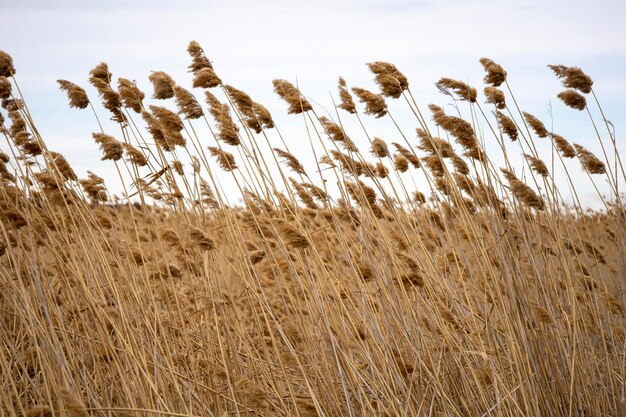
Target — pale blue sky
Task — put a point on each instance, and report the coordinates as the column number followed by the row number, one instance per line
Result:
column 253, row 42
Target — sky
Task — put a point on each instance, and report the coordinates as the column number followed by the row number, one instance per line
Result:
column 311, row 43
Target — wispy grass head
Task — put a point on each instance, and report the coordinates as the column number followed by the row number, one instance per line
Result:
column 391, row 81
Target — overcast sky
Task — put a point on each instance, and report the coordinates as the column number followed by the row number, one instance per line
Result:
column 313, row 42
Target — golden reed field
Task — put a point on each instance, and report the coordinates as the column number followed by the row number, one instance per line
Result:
column 336, row 286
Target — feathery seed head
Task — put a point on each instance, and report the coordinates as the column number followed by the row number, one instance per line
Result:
column 163, row 85
column 536, row 125
column 292, row 96
column 573, row 77
column 374, row 103
column 6, row 65
column 131, row 95
column 461, row 89
column 111, row 147
column 391, row 81
column 76, row 94
column 589, row 161
column 496, row 75
column 573, row 99
column 495, row 96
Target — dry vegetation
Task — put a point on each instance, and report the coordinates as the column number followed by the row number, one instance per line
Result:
column 478, row 295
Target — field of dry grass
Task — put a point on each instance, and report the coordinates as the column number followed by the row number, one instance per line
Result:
column 337, row 289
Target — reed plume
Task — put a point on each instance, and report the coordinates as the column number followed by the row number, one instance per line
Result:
column 536, row 124
column 537, row 165
column 495, row 96
column 459, row 128
column 589, row 161
column 337, row 134
column 76, row 94
column 227, row 129
column 5, row 88
column 449, row 86
column 391, row 81
column 292, row 96
column 292, row 236
column 291, row 161
column 111, row 147
column 168, row 127
column 303, row 194
column 6, row 65
column 410, row 156
column 201, row 67
column 374, row 103
column 94, row 187
column 200, row 238
column 100, row 78
column 523, row 192
column 347, row 103
column 255, row 115
column 379, row 148
column 163, row 85
column 496, row 75
column 381, row 170
column 63, row 167
column 400, row 163
column 563, row 145
column 507, row 125
column 134, row 155
column 573, row 77
column 225, row 159
column 187, row 103
column 132, row 97
column 573, row 99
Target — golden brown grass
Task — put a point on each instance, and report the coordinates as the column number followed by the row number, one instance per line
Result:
column 483, row 295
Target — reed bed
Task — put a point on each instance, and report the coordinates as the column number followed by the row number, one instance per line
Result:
column 337, row 286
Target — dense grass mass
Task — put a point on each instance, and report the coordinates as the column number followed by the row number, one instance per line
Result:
column 335, row 288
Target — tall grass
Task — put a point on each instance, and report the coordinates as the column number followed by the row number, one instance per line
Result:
column 337, row 287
